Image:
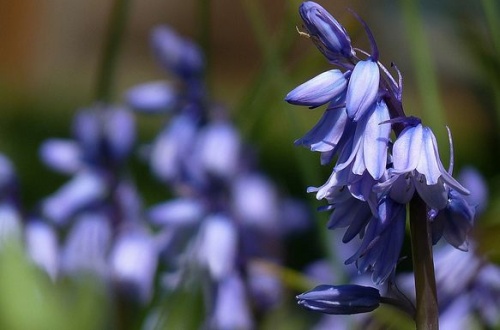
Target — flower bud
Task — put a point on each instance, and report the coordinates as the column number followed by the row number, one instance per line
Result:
column 340, row 299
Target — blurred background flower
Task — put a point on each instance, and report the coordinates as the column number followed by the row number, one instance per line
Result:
column 48, row 68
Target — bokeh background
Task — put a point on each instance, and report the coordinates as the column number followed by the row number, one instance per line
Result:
column 448, row 52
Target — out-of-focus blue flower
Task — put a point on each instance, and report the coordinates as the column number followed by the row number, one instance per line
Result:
column 470, row 178
column 177, row 212
column 64, row 156
column 321, row 89
column 329, row 36
column 43, row 247
column 231, row 310
column 172, row 149
column 10, row 223
column 82, row 190
column 218, row 246
column 176, row 54
column 152, row 97
column 87, row 245
column 255, row 202
column 217, row 150
column 133, row 263
column 340, row 299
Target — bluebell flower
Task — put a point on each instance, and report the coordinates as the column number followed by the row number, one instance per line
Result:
column 84, row 189
column 62, row 155
column 328, row 35
column 417, row 166
column 218, row 244
column 231, row 310
column 176, row 54
column 152, row 97
column 133, row 263
column 43, row 247
column 340, row 299
column 373, row 177
column 86, row 247
column 319, row 90
column 326, row 135
column 363, row 88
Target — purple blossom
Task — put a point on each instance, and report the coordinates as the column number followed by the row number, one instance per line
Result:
column 329, row 36
column 340, row 299
column 319, row 90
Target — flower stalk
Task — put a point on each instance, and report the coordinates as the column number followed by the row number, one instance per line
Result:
column 427, row 311
column 112, row 43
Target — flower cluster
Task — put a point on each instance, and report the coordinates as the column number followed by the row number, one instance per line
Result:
column 218, row 221
column 375, row 176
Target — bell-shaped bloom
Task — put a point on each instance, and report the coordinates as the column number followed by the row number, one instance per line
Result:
column 371, row 139
column 319, row 90
column 133, row 262
column 105, row 136
column 218, row 246
column 327, row 134
column 454, row 222
column 64, row 156
column 86, row 247
column 340, row 299
column 173, row 148
column 7, row 174
column 82, row 190
column 329, row 36
column 175, row 53
column 10, row 224
column 382, row 241
column 472, row 179
column 231, row 310
column 363, row 88
column 177, row 212
column 255, row 202
column 217, row 150
column 118, row 127
column 152, row 97
column 417, row 166
column 42, row 246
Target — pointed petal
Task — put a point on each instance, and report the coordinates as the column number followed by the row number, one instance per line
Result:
column 375, row 140
column 325, row 135
column 363, row 88
column 407, row 149
column 318, row 90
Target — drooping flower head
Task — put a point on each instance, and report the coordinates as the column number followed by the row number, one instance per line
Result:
column 381, row 157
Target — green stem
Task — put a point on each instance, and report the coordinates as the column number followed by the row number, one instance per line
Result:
column 107, row 66
column 427, row 312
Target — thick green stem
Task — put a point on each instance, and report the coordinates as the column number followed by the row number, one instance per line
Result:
column 110, row 50
column 427, row 312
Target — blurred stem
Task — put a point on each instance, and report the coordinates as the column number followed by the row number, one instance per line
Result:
column 204, row 32
column 110, row 50
column 424, row 70
column 491, row 11
column 427, row 311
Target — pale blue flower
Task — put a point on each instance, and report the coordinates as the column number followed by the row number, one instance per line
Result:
column 319, row 90
column 176, row 54
column 133, row 263
column 329, row 36
column 152, row 97
column 340, row 299
column 363, row 88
